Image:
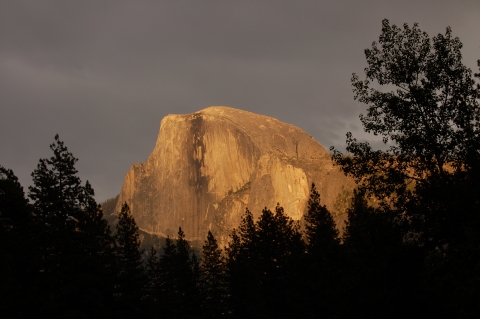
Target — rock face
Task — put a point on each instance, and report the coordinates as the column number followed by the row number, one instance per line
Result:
column 207, row 167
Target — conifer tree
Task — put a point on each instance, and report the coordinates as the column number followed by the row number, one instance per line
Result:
column 279, row 250
column 152, row 289
column 214, row 284
column 262, row 261
column 320, row 230
column 152, row 273
column 73, row 240
column 17, row 268
column 178, row 279
column 130, row 268
column 186, row 276
column 65, row 209
column 55, row 194
column 247, row 230
column 97, row 239
column 233, row 248
column 167, row 285
column 14, row 212
column 241, row 266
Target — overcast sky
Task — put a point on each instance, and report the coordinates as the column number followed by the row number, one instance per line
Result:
column 102, row 74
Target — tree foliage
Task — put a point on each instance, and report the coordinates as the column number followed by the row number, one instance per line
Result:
column 263, row 262
column 71, row 245
column 430, row 122
column 418, row 198
column 214, row 280
column 430, row 118
column 130, row 270
column 320, row 230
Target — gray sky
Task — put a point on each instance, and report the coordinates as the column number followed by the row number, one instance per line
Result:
column 102, row 74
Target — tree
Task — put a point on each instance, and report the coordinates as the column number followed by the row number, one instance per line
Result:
column 131, row 276
column 430, row 123
column 323, row 259
column 56, row 200
column 187, row 280
column 382, row 275
column 214, row 280
column 14, row 212
column 17, row 267
column 167, row 285
column 71, row 237
column 153, row 281
column 279, row 248
column 241, row 263
column 264, row 265
column 423, row 184
column 178, row 273
column 320, row 230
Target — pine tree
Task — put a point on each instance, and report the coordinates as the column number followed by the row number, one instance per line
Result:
column 214, row 284
column 152, row 289
column 167, row 285
column 323, row 259
column 187, row 280
column 96, row 239
column 73, row 240
column 152, row 273
column 131, row 276
column 279, row 250
column 179, row 279
column 247, row 230
column 65, row 209
column 17, row 268
column 241, row 263
column 262, row 262
column 320, row 230
column 14, row 212
column 55, row 194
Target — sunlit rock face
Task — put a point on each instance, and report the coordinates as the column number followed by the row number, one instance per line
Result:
column 207, row 167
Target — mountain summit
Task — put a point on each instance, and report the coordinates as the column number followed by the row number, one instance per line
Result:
column 208, row 166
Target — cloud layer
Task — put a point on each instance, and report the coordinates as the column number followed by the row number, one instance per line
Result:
column 103, row 74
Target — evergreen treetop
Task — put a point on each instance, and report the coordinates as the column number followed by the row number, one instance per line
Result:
column 320, row 230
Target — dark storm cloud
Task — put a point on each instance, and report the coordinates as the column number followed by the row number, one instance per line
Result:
column 103, row 73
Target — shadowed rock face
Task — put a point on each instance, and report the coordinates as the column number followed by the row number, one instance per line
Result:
column 207, row 167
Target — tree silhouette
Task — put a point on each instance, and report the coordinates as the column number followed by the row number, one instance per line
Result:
column 241, row 262
column 279, row 250
column 320, row 230
column 214, row 280
column 131, row 275
column 167, row 286
column 152, row 284
column 178, row 276
column 264, row 265
column 430, row 122
column 72, row 239
column 17, row 267
column 187, row 277
column 14, row 213
column 422, row 184
column 55, row 195
column 323, row 259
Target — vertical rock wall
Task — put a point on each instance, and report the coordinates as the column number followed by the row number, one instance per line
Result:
column 207, row 167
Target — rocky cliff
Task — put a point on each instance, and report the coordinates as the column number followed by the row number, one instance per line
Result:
column 207, row 167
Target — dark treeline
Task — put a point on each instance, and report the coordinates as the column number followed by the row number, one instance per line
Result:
column 410, row 247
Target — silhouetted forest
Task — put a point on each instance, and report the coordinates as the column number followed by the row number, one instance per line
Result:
column 410, row 248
